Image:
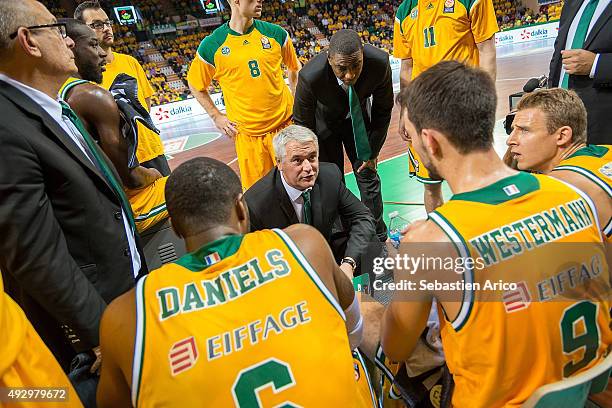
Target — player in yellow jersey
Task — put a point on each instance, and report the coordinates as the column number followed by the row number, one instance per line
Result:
column 429, row 31
column 244, row 319
column 25, row 361
column 150, row 152
column 245, row 56
column 100, row 115
column 525, row 299
column 549, row 136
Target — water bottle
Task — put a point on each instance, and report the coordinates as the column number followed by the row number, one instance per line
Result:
column 397, row 224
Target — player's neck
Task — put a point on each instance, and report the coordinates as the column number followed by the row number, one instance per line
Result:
column 240, row 24
column 195, row 242
column 567, row 152
column 110, row 57
column 476, row 170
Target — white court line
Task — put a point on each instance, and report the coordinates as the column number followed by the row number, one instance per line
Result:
column 232, row 162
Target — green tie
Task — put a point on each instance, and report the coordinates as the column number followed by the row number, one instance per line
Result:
column 96, row 155
column 581, row 33
column 306, row 208
column 362, row 144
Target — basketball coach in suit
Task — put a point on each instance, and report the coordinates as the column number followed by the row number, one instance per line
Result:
column 302, row 190
column 68, row 245
column 345, row 96
column 582, row 61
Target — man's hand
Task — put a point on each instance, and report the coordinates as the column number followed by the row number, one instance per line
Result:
column 577, row 62
column 347, row 269
column 95, row 367
column 227, row 127
column 370, row 164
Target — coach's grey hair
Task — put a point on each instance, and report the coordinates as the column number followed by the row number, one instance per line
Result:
column 14, row 14
column 294, row 133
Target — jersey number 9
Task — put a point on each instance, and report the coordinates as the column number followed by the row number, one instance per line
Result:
column 587, row 339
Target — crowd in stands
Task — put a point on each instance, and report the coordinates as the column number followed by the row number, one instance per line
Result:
column 308, row 26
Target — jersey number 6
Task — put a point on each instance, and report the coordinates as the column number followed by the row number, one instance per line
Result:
column 268, row 373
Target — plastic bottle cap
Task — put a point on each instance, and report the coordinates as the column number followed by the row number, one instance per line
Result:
column 393, row 214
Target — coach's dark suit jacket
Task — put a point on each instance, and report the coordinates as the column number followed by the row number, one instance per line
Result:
column 270, row 207
column 596, row 93
column 64, row 252
column 322, row 105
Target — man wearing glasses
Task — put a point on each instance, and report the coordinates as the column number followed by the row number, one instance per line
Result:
column 68, row 243
column 150, row 151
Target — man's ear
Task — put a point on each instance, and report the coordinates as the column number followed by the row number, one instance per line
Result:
column 431, row 142
column 563, row 136
column 28, row 43
column 242, row 212
column 174, row 228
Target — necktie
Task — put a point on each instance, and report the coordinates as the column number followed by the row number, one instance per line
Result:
column 581, row 33
column 360, row 134
column 306, row 208
column 95, row 154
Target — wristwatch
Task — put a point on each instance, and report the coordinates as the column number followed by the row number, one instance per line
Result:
column 350, row 261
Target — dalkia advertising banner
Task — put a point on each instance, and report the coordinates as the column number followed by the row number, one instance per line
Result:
column 526, row 34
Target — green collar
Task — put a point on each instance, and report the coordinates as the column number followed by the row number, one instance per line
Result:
column 211, row 253
column 590, row 150
column 247, row 32
column 506, row 189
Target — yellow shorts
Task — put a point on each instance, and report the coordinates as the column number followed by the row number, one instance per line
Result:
column 256, row 155
column 417, row 170
column 365, row 391
column 35, row 367
column 149, row 204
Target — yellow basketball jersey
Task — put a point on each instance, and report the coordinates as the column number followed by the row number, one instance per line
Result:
column 244, row 321
column 416, row 168
column 149, row 143
column 25, row 361
column 389, row 396
column 542, row 235
column 430, row 31
column 148, row 203
column 248, row 69
column 595, row 163
column 365, row 390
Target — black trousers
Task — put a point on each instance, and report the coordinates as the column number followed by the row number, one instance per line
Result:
column 368, row 181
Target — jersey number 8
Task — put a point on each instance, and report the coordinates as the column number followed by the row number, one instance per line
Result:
column 254, row 68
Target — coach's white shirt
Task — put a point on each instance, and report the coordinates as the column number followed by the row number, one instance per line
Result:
column 295, row 196
column 54, row 109
column 601, row 6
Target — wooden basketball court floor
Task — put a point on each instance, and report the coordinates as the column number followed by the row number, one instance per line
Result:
column 515, row 65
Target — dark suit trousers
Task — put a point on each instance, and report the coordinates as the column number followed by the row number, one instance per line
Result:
column 368, row 181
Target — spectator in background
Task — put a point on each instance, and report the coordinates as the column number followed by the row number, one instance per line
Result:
column 582, row 61
column 311, row 193
column 68, row 245
column 150, row 152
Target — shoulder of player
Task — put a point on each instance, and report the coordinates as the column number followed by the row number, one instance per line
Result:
column 404, row 9
column 118, row 313
column 307, row 238
column 212, row 42
column 425, row 231
column 578, row 180
column 272, row 30
column 91, row 98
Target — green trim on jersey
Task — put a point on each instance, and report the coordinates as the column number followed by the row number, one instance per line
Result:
column 272, row 31
column 496, row 194
column 591, row 151
column 209, row 45
column 403, row 11
column 468, row 4
column 224, row 247
column 75, row 81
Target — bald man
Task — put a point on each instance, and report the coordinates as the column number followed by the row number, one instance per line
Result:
column 68, row 245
